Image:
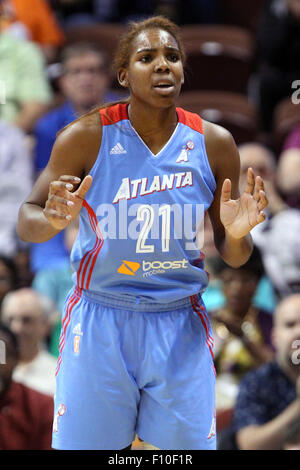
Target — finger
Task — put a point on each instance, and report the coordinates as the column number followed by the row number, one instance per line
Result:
column 263, row 200
column 60, row 201
column 56, row 215
column 259, row 186
column 56, row 187
column 226, row 190
column 59, row 204
column 70, row 179
column 261, row 217
column 84, row 187
column 250, row 181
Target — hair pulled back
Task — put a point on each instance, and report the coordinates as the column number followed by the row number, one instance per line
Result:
column 122, row 54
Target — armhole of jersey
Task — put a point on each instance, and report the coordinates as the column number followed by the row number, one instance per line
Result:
column 194, row 121
column 99, row 156
column 212, row 179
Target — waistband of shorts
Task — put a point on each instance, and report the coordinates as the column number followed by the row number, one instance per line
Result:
column 137, row 304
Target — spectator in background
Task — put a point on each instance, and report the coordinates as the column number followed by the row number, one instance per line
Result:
column 242, row 332
column 8, row 276
column 84, row 84
column 278, row 55
column 25, row 414
column 23, row 80
column 293, row 139
column 16, row 179
column 36, row 23
column 29, row 316
column 263, row 162
column 279, row 239
column 268, row 402
column 288, row 176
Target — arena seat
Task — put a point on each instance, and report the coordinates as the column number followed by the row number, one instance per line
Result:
column 218, row 57
column 230, row 110
column 106, row 35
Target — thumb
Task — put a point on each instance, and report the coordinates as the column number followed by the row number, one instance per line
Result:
column 226, row 190
column 84, row 187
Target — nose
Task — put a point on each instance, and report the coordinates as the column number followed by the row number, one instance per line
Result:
column 161, row 65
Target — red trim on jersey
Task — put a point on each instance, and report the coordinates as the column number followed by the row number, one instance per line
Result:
column 71, row 302
column 97, row 247
column 200, row 311
column 192, row 120
column 113, row 114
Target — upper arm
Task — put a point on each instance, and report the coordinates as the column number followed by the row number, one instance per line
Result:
column 224, row 160
column 74, row 153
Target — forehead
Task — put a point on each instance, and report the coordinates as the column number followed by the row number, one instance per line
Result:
column 153, row 39
column 86, row 56
column 288, row 311
column 254, row 158
column 23, row 304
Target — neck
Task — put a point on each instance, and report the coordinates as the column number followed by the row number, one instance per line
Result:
column 161, row 123
column 29, row 355
column 240, row 312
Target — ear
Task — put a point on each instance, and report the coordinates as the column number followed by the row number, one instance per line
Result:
column 123, row 78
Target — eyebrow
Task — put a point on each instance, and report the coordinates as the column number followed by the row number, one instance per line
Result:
column 153, row 49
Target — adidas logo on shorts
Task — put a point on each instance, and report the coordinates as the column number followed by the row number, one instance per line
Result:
column 117, row 149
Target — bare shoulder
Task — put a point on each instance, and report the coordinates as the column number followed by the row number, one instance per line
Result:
column 220, row 146
column 80, row 140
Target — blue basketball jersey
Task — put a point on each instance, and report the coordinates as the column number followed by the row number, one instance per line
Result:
column 139, row 233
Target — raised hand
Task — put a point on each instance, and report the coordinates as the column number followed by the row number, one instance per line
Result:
column 62, row 204
column 239, row 216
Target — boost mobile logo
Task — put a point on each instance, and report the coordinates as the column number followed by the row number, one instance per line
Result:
column 151, row 267
column 128, row 267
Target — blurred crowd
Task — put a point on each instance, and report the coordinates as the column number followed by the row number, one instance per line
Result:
column 48, row 79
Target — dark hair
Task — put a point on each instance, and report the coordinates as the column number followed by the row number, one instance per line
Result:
column 122, row 54
column 13, row 338
column 253, row 265
column 10, row 265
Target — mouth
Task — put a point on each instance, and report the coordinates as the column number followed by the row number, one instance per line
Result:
column 164, row 88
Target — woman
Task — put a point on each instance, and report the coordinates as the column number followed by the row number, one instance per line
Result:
column 136, row 345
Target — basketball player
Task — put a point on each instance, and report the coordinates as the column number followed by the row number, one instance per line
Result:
column 136, row 349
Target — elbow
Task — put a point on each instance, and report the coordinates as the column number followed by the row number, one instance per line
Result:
column 21, row 232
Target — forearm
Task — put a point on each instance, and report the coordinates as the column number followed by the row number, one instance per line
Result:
column 269, row 436
column 33, row 226
column 235, row 251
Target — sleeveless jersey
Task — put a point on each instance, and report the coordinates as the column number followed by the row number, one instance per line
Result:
column 138, row 226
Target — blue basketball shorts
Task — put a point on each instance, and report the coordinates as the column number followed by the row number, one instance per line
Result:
column 127, row 369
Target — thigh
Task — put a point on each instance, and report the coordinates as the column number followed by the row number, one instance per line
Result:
column 96, row 396
column 177, row 407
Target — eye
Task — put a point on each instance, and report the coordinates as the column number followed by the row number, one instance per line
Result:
column 173, row 57
column 146, row 58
